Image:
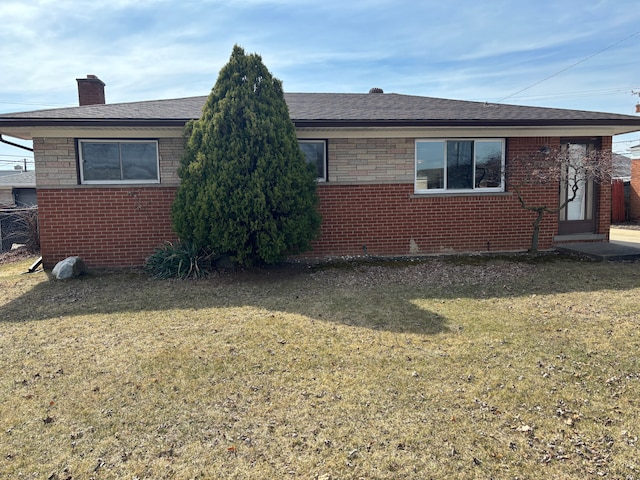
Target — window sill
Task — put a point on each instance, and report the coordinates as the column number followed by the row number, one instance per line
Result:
column 461, row 194
column 121, row 185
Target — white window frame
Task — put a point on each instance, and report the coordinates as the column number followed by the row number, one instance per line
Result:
column 418, row 188
column 121, row 180
column 322, row 178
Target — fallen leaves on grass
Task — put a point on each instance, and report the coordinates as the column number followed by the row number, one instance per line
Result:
column 489, row 369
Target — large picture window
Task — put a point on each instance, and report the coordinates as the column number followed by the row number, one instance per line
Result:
column 460, row 165
column 118, row 161
column 315, row 151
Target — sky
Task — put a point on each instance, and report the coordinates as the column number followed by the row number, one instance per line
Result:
column 572, row 54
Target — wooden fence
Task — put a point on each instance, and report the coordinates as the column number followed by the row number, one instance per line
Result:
column 618, row 213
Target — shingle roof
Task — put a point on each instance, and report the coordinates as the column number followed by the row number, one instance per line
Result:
column 19, row 180
column 621, row 166
column 409, row 108
column 331, row 109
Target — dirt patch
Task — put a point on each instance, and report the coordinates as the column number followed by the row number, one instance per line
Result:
column 17, row 255
column 627, row 226
column 352, row 271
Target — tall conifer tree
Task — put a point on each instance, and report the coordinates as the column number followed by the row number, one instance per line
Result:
column 246, row 189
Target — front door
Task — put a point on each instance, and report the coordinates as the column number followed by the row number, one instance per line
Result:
column 578, row 215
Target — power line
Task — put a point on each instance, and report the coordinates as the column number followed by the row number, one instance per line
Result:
column 584, row 93
column 569, row 67
column 45, row 105
column 16, row 162
column 16, row 156
column 29, row 160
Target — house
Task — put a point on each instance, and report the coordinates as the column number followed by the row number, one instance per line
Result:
column 18, row 189
column 621, row 167
column 634, row 194
column 397, row 174
column 620, row 188
column 17, row 195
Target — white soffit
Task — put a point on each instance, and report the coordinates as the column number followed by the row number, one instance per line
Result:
column 107, row 132
column 477, row 132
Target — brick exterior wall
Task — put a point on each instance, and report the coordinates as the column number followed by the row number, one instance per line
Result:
column 6, row 197
column 390, row 220
column 90, row 91
column 635, row 190
column 368, row 206
column 603, row 222
column 371, row 160
column 107, row 227
column 56, row 163
column 111, row 227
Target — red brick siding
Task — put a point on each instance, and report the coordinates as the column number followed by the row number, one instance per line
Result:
column 107, row 227
column 635, row 190
column 390, row 220
column 110, row 226
column 603, row 222
column 90, row 91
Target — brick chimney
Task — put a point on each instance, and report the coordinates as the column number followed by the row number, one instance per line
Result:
column 90, row 91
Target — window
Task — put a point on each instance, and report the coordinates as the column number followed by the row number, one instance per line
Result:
column 113, row 161
column 315, row 152
column 459, row 165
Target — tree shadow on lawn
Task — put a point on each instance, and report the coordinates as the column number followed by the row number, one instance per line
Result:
column 110, row 292
column 377, row 296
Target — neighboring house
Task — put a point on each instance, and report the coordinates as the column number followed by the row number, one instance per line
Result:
column 397, row 174
column 17, row 192
column 621, row 167
column 634, row 194
column 4, row 173
column 18, row 189
column 620, row 188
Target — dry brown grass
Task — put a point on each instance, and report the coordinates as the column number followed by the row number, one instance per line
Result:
column 459, row 368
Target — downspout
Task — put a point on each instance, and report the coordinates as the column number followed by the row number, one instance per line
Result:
column 15, row 144
column 19, row 146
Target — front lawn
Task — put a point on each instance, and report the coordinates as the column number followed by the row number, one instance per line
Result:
column 462, row 367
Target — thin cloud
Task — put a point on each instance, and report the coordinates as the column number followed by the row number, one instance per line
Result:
column 146, row 49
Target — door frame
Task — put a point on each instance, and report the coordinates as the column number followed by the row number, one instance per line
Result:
column 588, row 223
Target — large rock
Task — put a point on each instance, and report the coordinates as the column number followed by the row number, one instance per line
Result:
column 68, row 268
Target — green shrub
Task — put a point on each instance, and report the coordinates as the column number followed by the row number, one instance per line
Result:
column 179, row 260
column 246, row 190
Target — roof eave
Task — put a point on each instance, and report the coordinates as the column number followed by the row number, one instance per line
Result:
column 611, row 126
column 92, row 122
column 467, row 123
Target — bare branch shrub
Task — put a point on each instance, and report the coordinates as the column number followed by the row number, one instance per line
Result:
column 552, row 167
column 25, row 228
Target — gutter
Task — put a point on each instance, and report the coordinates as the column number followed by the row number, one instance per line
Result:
column 628, row 125
column 92, row 122
column 305, row 122
column 467, row 123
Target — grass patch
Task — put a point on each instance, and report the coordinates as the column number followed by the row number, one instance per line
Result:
column 434, row 369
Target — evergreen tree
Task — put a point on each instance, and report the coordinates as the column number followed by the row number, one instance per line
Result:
column 246, row 189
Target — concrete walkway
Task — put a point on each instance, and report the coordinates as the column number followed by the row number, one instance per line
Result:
column 623, row 236
column 623, row 245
